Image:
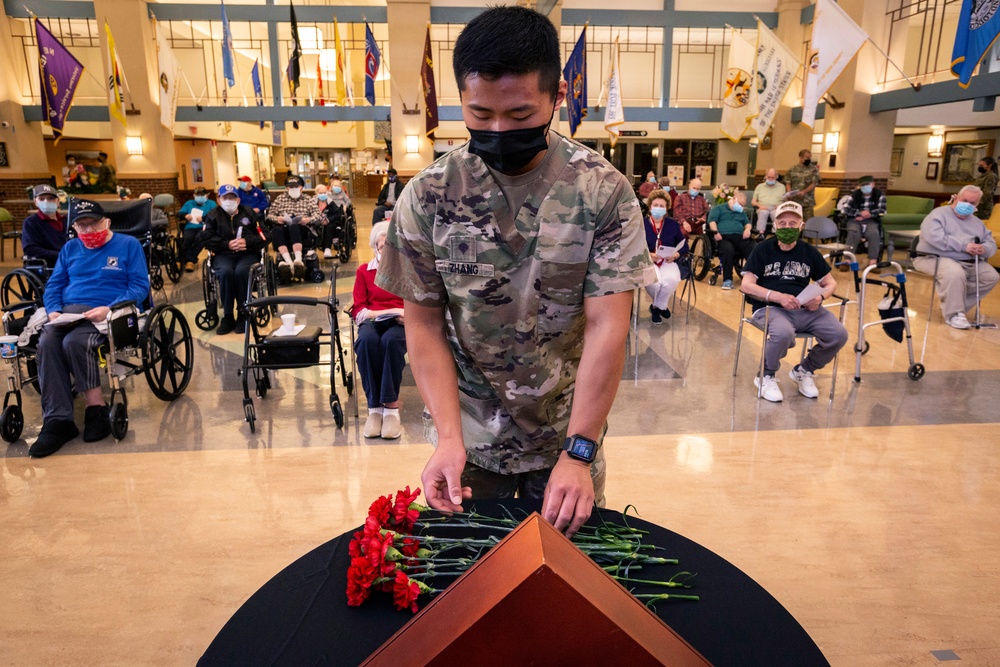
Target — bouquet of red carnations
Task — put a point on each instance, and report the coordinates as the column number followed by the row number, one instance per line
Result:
column 391, row 554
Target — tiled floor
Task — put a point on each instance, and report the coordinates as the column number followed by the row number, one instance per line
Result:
column 873, row 518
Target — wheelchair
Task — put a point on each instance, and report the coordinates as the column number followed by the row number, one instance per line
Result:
column 263, row 282
column 267, row 351
column 164, row 253
column 704, row 253
column 154, row 341
column 345, row 231
column 25, row 283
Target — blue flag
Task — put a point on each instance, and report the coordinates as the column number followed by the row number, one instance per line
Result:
column 373, row 58
column 575, row 74
column 59, row 74
column 227, row 51
column 258, row 92
column 978, row 27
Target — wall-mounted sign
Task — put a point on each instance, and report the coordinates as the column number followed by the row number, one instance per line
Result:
column 4, row 162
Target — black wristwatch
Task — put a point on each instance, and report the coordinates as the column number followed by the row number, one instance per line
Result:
column 580, row 448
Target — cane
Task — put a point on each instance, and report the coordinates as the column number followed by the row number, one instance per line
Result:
column 976, row 257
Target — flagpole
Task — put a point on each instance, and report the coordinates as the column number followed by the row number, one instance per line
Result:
column 915, row 86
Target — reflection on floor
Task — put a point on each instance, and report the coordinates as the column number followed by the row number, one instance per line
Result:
column 871, row 517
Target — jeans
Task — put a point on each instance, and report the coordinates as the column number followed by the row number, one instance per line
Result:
column 233, row 274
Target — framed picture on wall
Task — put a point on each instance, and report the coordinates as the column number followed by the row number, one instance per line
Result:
column 961, row 159
column 896, row 162
column 730, row 169
column 932, row 170
column 197, row 173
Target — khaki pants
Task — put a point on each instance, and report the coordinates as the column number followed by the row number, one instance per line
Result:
column 956, row 282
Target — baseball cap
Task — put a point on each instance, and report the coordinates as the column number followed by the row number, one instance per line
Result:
column 865, row 179
column 293, row 182
column 788, row 207
column 80, row 209
column 246, row 179
column 228, row 190
column 200, row 191
column 44, row 189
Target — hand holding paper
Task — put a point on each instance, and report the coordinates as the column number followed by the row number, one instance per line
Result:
column 811, row 291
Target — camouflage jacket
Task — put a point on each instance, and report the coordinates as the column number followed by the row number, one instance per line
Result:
column 801, row 177
column 514, row 286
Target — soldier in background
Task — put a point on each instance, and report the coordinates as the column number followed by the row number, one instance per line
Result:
column 803, row 179
column 516, row 256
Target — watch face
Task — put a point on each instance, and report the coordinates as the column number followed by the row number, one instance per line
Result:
column 582, row 449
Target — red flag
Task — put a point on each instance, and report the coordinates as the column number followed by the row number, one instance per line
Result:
column 319, row 78
column 430, row 93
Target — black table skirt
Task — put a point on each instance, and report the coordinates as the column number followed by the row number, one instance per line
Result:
column 301, row 617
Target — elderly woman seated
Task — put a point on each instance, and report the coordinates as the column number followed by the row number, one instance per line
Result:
column 380, row 348
column 667, row 245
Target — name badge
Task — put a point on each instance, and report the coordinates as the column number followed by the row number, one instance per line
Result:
column 464, row 268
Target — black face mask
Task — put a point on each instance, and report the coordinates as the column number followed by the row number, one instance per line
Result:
column 982, row 170
column 509, row 150
column 806, row 163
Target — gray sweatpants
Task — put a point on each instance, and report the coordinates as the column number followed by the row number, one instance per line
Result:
column 65, row 351
column 828, row 333
column 872, row 233
column 956, row 282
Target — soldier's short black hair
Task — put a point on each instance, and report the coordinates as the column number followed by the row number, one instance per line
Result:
column 509, row 40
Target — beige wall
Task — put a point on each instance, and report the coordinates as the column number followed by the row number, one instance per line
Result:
column 186, row 150
column 914, row 177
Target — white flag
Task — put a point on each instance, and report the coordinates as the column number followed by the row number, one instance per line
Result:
column 614, row 113
column 776, row 69
column 739, row 97
column 836, row 38
column 169, row 70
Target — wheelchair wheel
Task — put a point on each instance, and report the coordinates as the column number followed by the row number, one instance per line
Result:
column 119, row 421
column 864, row 350
column 172, row 260
column 11, row 423
column 338, row 412
column 344, row 248
column 156, row 280
column 916, row 372
column 20, row 286
column 207, row 320
column 317, row 276
column 249, row 414
column 262, row 316
column 169, row 352
column 701, row 262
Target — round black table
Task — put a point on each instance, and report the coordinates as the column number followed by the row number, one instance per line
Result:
column 301, row 617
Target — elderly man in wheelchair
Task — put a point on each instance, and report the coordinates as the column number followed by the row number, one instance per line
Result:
column 95, row 271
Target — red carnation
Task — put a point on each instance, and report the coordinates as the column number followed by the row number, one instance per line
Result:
column 381, row 510
column 403, row 516
column 360, row 576
column 410, row 547
column 405, row 592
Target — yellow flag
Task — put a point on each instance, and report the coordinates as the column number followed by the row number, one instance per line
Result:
column 116, row 80
column 341, row 66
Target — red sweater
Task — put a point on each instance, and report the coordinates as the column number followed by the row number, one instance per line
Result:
column 368, row 295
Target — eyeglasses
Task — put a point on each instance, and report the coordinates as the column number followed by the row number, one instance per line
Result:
column 87, row 226
column 787, row 223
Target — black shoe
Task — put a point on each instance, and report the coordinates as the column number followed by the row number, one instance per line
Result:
column 665, row 313
column 55, row 433
column 227, row 325
column 96, row 423
column 241, row 325
column 655, row 315
column 284, row 273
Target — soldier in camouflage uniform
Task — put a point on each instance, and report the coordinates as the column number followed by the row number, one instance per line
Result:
column 516, row 255
column 804, row 177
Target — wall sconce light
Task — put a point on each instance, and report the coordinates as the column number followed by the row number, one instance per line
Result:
column 832, row 144
column 133, row 145
column 935, row 145
column 412, row 143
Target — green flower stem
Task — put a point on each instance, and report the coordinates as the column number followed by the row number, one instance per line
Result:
column 668, row 584
column 653, row 597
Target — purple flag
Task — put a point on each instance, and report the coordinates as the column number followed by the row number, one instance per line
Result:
column 59, row 74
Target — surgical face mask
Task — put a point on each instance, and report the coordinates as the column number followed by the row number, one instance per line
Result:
column 322, row 197
column 693, row 192
column 964, row 208
column 229, row 206
column 737, row 207
column 770, row 182
column 200, row 200
column 294, row 193
column 48, row 207
column 658, row 212
column 787, row 235
column 509, row 150
column 245, row 186
column 392, row 178
column 651, row 179
column 71, row 164
column 806, row 163
column 866, row 189
column 337, row 189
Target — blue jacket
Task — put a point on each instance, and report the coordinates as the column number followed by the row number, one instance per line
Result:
column 254, row 198
column 206, row 208
column 102, row 277
column 41, row 240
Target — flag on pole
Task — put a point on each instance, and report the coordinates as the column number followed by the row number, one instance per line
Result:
column 776, row 69
column 293, row 71
column 319, row 88
column 258, row 91
column 978, row 27
column 116, row 80
column 373, row 58
column 836, row 38
column 575, row 74
column 430, row 92
column 739, row 96
column 170, row 72
column 59, row 74
column 614, row 113
column 227, row 50
column 341, row 66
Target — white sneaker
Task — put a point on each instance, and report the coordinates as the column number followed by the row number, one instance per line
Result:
column 373, row 425
column 807, row 386
column 327, row 254
column 771, row 391
column 958, row 321
column 391, row 426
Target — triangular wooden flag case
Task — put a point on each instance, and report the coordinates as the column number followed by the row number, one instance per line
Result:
column 535, row 599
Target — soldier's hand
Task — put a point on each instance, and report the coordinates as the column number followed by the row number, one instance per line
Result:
column 569, row 495
column 442, row 479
